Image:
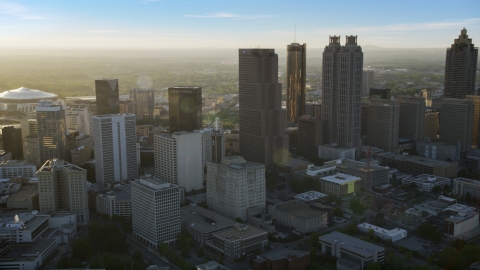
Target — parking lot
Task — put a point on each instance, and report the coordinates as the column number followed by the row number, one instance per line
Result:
column 424, row 247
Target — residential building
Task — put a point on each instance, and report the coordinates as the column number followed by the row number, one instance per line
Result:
column 476, row 119
column 298, row 215
column 78, row 119
column 419, row 165
column 426, row 182
column 367, row 81
column 144, row 100
column 296, row 80
column 178, row 159
column 341, row 102
column 385, row 234
column 114, row 147
column 117, row 201
column 456, row 122
column 234, row 186
column 431, row 126
column 381, row 93
column 52, row 131
column 412, row 118
column 31, row 149
column 12, row 141
column 107, row 96
column 261, row 117
column 309, row 135
column 437, row 150
column 155, row 211
column 382, row 124
column 62, row 188
column 185, row 108
column 282, row 259
column 372, row 176
column 460, row 67
column 462, row 186
column 15, row 168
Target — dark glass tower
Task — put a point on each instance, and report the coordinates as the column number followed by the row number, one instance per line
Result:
column 185, row 108
column 460, row 68
column 261, row 118
column 106, row 91
column 12, row 141
column 52, row 131
column 296, row 80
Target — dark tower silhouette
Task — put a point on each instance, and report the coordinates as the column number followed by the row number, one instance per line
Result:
column 185, row 108
column 296, row 80
column 12, row 141
column 106, row 91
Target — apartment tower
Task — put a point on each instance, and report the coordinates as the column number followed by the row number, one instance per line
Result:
column 456, row 122
column 107, row 93
column 296, row 80
column 185, row 108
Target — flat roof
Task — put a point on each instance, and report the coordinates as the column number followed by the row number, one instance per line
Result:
column 421, row 160
column 340, row 178
column 34, row 222
column 299, row 209
column 466, row 180
column 284, row 253
column 121, row 193
column 40, row 246
column 211, row 265
column 351, row 243
column 428, row 178
column 51, row 164
column 381, row 230
column 154, row 183
column 241, row 233
column 202, row 219
column 26, row 190
column 353, row 164
column 310, row 195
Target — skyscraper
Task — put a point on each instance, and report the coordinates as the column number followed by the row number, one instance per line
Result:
column 367, row 81
column 185, row 108
column 456, row 122
column 261, row 118
column 115, row 147
column 12, row 141
column 106, row 91
column 144, row 100
column 309, row 135
column 476, row 119
column 52, row 130
column 382, row 124
column 431, row 126
column 412, row 118
column 296, row 80
column 342, row 91
column 78, row 119
column 460, row 67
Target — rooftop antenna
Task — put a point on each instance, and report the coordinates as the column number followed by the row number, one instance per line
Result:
column 295, row 34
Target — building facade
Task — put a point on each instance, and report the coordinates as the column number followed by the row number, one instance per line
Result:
column 309, row 135
column 299, row 215
column 78, row 119
column 426, row 182
column 14, row 168
column 412, row 118
column 367, row 81
column 476, row 119
column 415, row 165
column 431, row 126
column 12, row 141
column 144, row 102
column 296, row 80
column 115, row 202
column 462, row 186
column 31, row 149
column 185, row 108
column 107, row 96
column 52, row 131
column 456, row 122
column 373, row 176
column 382, row 124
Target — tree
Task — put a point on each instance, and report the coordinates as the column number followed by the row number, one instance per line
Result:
column 200, row 252
column 338, row 212
column 313, row 253
column 239, row 220
column 436, row 189
column 82, row 249
column 374, row 266
column 408, row 256
column 357, row 207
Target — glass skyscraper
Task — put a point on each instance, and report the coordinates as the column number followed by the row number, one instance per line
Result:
column 106, row 91
column 296, row 80
column 185, row 108
column 52, row 130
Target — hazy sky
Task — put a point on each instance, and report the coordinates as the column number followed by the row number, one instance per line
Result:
column 233, row 24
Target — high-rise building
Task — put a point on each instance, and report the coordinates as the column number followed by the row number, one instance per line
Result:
column 178, row 159
column 382, row 124
column 314, row 109
column 78, row 119
column 382, row 93
column 213, row 145
column 155, row 211
column 476, row 119
column 31, row 149
column 52, row 130
column 309, row 135
column 107, row 93
column 126, row 106
column 431, row 126
column 456, row 122
column 261, row 118
column 185, row 108
column 115, row 147
column 342, row 91
column 460, row 67
column 296, row 80
column 29, row 126
column 62, row 188
column 412, row 118
column 144, row 102
column 12, row 141
column 234, row 186
column 367, row 81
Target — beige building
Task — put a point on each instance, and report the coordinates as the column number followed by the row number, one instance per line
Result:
column 232, row 143
column 80, row 155
column 431, row 126
column 476, row 118
column 382, row 124
column 25, row 198
column 412, row 118
column 143, row 130
column 456, row 122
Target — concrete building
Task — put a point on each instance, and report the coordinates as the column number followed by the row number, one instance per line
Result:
column 426, row 182
column 261, row 117
column 155, row 211
column 381, row 93
column 311, row 196
column 296, row 80
column 419, row 165
column 460, row 67
column 29, row 126
column 15, row 168
column 78, row 119
column 117, row 201
column 462, row 186
column 341, row 102
column 456, row 122
column 309, row 135
column 63, row 189
column 178, row 159
column 144, row 100
column 332, row 151
column 213, row 145
column 352, row 249
column 282, row 259
column 460, row 220
column 376, row 175
column 412, row 118
column 437, row 150
column 80, row 155
column 382, row 124
column 232, row 143
column 31, row 149
column 234, row 186
column 52, row 131
column 431, row 126
column 126, row 106
column 385, row 234
column 185, row 108
column 211, row 265
column 367, row 81
column 241, row 240
column 5, row 156
column 476, row 119
column 299, row 215
column 12, row 141
column 25, row 198
column 314, row 109
column 115, row 147
column 107, row 96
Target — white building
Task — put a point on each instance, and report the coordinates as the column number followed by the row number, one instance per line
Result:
column 155, row 211
column 462, row 186
column 14, row 168
column 392, row 235
column 62, row 188
column 115, row 147
column 78, row 118
column 426, row 182
column 213, row 146
column 115, row 202
column 234, row 186
column 460, row 221
column 178, row 159
column 310, row 196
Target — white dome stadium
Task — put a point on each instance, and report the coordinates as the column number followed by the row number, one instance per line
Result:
column 25, row 95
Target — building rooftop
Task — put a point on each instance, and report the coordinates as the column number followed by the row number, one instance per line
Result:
column 121, row 193
column 154, row 183
column 466, row 180
column 15, row 163
column 240, row 232
column 428, row 179
column 51, row 164
column 353, row 164
column 299, row 209
column 340, row 178
column 310, row 196
column 284, row 253
column 24, row 93
column 204, row 220
column 416, row 159
column 23, row 192
column 211, row 265
column 113, row 115
column 351, row 243
column 383, row 231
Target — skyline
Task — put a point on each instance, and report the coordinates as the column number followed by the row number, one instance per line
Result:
column 150, row 24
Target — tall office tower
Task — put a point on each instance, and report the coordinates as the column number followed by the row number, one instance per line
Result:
column 431, row 126
column 342, row 92
column 309, row 135
column 460, row 68
column 144, row 102
column 234, row 186
column 213, row 145
column 29, row 126
column 184, row 108
column 382, row 93
column 456, row 122
column 62, row 188
column 476, row 119
column 314, row 109
column 52, row 130
column 115, row 145
column 364, row 118
column 382, row 124
column 107, row 93
column 78, row 119
column 31, row 150
column 412, row 118
column 367, row 81
column 126, row 106
column 178, row 159
column 261, row 118
column 155, row 211
column 296, row 80
column 12, row 141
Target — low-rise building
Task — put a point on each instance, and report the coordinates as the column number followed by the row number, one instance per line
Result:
column 15, row 168
column 459, row 220
column 5, row 156
column 25, row 198
column 385, row 234
column 117, row 201
column 426, row 182
column 419, row 165
column 329, row 180
column 311, row 196
column 211, row 265
column 299, row 215
column 282, row 259
column 376, row 175
column 437, row 150
column 462, row 186
column 329, row 152
column 26, row 256
column 410, row 216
